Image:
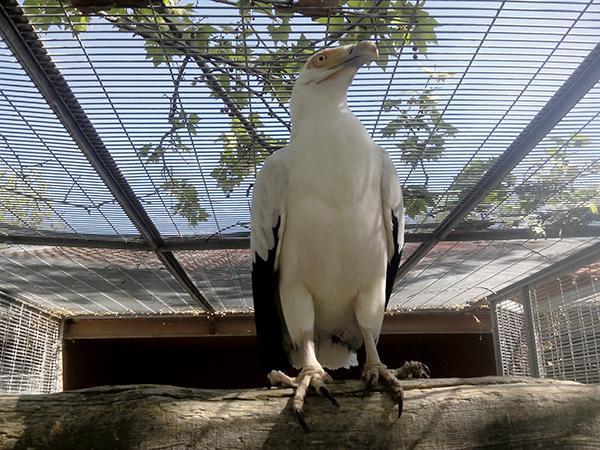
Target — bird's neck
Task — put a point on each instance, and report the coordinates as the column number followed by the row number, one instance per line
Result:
column 310, row 116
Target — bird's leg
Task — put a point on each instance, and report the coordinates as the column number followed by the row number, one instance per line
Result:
column 312, row 374
column 374, row 370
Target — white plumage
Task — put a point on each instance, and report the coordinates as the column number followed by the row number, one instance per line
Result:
column 333, row 198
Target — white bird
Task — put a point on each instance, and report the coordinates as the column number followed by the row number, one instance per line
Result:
column 326, row 236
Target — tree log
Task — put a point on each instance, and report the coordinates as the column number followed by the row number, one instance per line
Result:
column 489, row 412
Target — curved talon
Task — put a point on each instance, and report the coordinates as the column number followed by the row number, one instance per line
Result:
column 413, row 369
column 309, row 377
column 389, row 379
column 399, row 399
column 370, row 384
column 419, row 370
column 327, row 394
column 299, row 414
column 427, row 372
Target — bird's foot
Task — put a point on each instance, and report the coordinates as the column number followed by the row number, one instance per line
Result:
column 391, row 378
column 372, row 373
column 309, row 376
column 412, row 369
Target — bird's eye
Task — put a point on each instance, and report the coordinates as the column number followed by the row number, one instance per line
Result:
column 320, row 59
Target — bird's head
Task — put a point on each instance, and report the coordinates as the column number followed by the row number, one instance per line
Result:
column 328, row 73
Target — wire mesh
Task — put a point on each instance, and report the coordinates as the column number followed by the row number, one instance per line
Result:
column 556, row 184
column 222, row 275
column 177, row 139
column 29, row 349
column 513, row 338
column 566, row 313
column 45, row 182
column 456, row 273
column 489, row 90
column 86, row 281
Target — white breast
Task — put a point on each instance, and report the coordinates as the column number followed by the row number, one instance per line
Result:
column 335, row 239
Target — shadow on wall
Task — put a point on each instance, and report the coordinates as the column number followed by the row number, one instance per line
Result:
column 233, row 362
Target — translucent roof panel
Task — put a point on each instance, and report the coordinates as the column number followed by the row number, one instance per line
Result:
column 223, row 276
column 455, row 273
column 78, row 281
column 46, row 184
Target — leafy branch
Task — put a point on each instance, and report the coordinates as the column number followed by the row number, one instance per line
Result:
column 237, row 74
column 547, row 197
column 422, row 134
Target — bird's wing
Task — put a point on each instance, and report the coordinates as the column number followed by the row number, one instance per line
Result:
column 393, row 217
column 268, row 226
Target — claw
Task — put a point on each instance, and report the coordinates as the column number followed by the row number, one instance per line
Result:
column 370, row 384
column 327, row 394
column 400, row 401
column 413, row 369
column 299, row 414
column 426, row 371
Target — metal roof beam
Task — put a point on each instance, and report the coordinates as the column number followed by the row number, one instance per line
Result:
column 201, row 243
column 567, row 96
column 25, row 44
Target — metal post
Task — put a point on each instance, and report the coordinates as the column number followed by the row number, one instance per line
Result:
column 530, row 330
column 496, row 338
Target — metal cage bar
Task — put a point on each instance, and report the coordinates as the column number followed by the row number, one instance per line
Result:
column 567, row 96
column 530, row 331
column 34, row 59
column 30, row 348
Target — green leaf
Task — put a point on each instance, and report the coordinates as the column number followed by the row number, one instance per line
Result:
column 187, row 203
column 154, row 53
column 392, row 128
column 80, row 22
column 279, row 33
column 144, row 150
column 337, row 24
column 156, row 155
column 358, row 4
column 417, row 199
column 193, row 120
column 239, row 157
column 201, row 36
column 24, row 199
column 423, row 33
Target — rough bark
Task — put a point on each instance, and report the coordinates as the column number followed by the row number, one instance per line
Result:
column 488, row 412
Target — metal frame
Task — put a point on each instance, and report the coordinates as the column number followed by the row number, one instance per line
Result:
column 496, row 338
column 567, row 96
column 31, row 54
column 243, row 242
column 522, row 287
column 532, row 351
column 242, row 324
column 29, row 50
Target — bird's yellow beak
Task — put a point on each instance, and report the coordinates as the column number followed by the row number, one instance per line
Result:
column 333, row 61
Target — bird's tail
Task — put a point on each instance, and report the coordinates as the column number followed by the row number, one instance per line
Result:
column 331, row 355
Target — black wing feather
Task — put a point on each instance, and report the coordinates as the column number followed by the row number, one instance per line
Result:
column 392, row 267
column 267, row 309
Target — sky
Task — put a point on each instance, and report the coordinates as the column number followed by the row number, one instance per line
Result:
column 507, row 63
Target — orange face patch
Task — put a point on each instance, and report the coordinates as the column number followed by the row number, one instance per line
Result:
column 326, row 58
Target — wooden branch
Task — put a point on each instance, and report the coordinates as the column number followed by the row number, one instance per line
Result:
column 489, row 412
